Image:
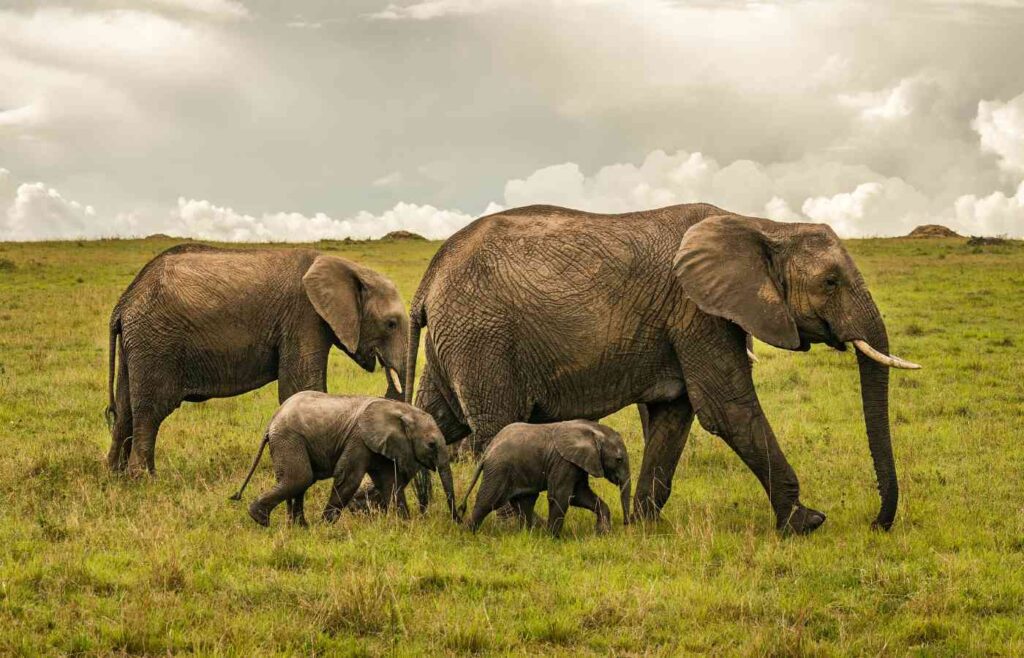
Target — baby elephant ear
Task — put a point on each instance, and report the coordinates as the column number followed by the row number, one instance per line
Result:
column 390, row 439
column 580, row 448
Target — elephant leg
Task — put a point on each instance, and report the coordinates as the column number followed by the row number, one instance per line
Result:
column 559, row 499
column 294, row 476
column 665, row 436
column 346, row 483
column 583, row 496
column 146, row 422
column 121, row 434
column 389, row 490
column 296, row 510
column 743, row 426
column 524, row 510
column 492, row 495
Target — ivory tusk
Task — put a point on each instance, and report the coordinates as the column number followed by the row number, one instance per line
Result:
column 753, row 357
column 396, row 380
column 884, row 359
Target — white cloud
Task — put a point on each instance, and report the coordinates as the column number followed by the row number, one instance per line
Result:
column 430, row 9
column 1001, row 127
column 995, row 214
column 388, row 180
column 40, row 213
column 215, row 8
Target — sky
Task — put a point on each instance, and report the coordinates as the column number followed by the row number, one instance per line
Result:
column 259, row 120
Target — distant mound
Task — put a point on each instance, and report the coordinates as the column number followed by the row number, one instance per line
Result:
column 158, row 236
column 933, row 231
column 403, row 235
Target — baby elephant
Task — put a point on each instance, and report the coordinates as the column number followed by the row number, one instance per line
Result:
column 314, row 436
column 524, row 460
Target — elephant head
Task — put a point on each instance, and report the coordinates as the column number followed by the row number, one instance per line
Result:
column 791, row 285
column 411, row 438
column 599, row 451
column 365, row 313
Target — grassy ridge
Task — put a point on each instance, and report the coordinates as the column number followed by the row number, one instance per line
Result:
column 94, row 564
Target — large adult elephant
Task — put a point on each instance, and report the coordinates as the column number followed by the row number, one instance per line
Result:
column 200, row 322
column 545, row 314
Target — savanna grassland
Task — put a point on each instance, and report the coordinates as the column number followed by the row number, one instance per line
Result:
column 96, row 564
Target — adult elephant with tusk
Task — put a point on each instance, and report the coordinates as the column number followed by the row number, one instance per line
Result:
column 576, row 315
column 200, row 322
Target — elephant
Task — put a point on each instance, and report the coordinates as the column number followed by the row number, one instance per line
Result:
column 201, row 322
column 525, row 459
column 314, row 436
column 574, row 314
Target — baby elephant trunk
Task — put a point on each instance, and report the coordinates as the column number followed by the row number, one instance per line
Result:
column 625, row 493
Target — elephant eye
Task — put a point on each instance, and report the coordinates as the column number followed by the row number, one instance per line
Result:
column 392, row 324
column 831, row 282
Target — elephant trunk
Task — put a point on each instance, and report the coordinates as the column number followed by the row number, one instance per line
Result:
column 626, row 495
column 874, row 389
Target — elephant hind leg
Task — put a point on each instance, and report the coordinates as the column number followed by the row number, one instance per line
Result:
column 523, row 507
column 145, row 426
column 492, row 495
column 667, row 429
column 121, row 432
column 292, row 483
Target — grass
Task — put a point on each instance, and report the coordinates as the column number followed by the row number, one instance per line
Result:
column 94, row 564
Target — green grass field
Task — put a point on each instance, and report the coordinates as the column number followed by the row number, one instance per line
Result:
column 96, row 564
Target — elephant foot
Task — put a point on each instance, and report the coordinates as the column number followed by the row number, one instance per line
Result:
column 643, row 511
column 331, row 514
column 603, row 527
column 800, row 521
column 259, row 514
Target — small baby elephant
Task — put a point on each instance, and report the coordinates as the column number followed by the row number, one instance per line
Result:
column 314, row 436
column 524, row 460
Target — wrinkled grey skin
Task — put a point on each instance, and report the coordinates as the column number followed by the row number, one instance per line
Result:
column 200, row 322
column 523, row 460
column 314, row 436
column 577, row 315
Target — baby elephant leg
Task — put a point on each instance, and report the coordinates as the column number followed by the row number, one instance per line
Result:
column 583, row 496
column 523, row 507
column 346, row 482
column 559, row 497
column 296, row 510
column 294, row 475
column 391, row 489
column 492, row 495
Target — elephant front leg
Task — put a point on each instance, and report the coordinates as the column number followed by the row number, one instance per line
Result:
column 668, row 426
column 346, row 483
column 584, row 497
column 742, row 425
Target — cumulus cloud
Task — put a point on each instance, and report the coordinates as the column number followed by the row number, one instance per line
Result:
column 1001, row 127
column 995, row 214
column 38, row 212
column 854, row 199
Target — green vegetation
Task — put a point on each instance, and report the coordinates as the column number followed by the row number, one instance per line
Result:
column 95, row 564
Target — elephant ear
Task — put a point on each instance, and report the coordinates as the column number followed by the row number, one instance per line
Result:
column 581, row 448
column 727, row 265
column 335, row 290
column 389, row 436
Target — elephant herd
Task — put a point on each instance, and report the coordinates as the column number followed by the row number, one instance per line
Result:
column 539, row 321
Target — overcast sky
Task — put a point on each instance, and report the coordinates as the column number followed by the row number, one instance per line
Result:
column 265, row 120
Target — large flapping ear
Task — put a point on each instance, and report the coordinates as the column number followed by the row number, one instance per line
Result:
column 579, row 446
column 725, row 265
column 389, row 436
column 334, row 289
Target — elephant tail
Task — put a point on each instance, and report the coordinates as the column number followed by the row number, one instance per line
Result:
column 472, row 485
column 115, row 333
column 255, row 463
